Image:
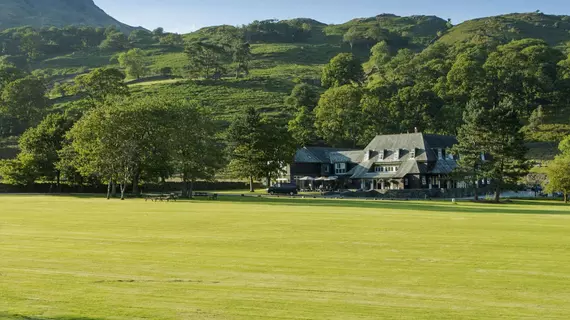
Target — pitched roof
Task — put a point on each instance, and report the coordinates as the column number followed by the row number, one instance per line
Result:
column 445, row 166
column 328, row 155
column 352, row 156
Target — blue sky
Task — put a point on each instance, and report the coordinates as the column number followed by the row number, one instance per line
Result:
column 188, row 15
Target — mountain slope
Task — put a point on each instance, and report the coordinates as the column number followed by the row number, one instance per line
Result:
column 59, row 13
column 553, row 29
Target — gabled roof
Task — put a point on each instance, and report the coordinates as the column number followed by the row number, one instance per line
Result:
column 423, row 143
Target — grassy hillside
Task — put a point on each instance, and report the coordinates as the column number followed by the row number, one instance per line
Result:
column 420, row 31
column 81, row 258
column 551, row 28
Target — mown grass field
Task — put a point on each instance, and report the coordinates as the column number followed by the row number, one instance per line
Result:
column 88, row 258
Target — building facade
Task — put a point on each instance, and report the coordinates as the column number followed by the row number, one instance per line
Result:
column 389, row 162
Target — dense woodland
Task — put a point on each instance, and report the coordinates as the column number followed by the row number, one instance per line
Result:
column 496, row 94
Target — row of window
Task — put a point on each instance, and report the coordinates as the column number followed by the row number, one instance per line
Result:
column 386, row 169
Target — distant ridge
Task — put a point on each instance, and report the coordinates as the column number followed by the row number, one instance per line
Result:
column 58, row 13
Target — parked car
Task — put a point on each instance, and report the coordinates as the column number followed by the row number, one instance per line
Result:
column 283, row 188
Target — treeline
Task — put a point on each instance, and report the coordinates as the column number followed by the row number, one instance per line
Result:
column 402, row 90
column 108, row 136
column 27, row 44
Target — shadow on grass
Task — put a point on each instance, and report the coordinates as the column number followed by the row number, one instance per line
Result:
column 416, row 206
column 527, row 207
column 7, row 316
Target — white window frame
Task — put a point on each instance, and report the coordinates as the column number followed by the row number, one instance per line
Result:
column 340, row 168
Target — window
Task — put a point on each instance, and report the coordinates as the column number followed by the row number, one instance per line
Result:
column 326, row 168
column 424, row 181
column 406, row 182
column 378, row 169
column 381, row 155
column 440, row 154
column 340, row 168
column 397, row 154
column 413, row 153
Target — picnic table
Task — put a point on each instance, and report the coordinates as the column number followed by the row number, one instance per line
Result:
column 162, row 197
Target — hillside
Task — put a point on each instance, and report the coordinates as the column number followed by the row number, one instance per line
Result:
column 553, row 29
column 59, row 13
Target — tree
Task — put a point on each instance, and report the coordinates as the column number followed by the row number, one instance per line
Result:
column 470, row 149
column 525, row 72
column 258, row 146
column 19, row 171
column 505, row 143
column 100, row 84
column 381, row 54
column 173, row 40
column 9, row 73
column 241, row 53
column 342, row 70
column 141, row 37
column 495, row 134
column 245, row 138
column 205, row 58
column 115, row 41
column 196, row 152
column 115, row 140
column 558, row 172
column 302, row 127
column 39, row 148
column 158, row 32
column 303, row 95
column 339, row 116
column 133, row 62
column 25, row 99
column 353, row 36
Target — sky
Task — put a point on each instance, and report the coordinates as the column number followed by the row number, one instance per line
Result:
column 184, row 16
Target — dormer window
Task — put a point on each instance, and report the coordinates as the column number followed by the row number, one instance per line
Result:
column 440, row 154
column 397, row 154
column 381, row 155
column 413, row 153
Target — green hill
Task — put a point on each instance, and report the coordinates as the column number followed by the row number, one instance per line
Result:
column 553, row 29
column 59, row 13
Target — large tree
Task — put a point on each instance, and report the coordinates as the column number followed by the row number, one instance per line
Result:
column 558, row 172
column 303, row 95
column 133, row 62
column 339, row 117
column 42, row 144
column 25, row 99
column 196, row 152
column 470, row 150
column 116, row 139
column 100, row 84
column 258, row 147
column 496, row 133
column 205, row 58
column 342, row 70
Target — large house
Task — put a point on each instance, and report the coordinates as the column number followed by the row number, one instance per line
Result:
column 389, row 162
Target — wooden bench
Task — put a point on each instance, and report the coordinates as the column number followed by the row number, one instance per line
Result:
column 210, row 196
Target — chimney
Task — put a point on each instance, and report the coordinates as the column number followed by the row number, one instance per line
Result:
column 416, row 129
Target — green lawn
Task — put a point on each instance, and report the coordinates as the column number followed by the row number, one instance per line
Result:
column 88, row 258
